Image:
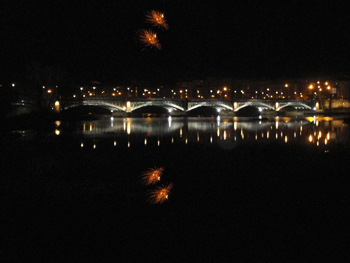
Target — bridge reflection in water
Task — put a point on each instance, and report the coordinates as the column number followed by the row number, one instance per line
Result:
column 321, row 132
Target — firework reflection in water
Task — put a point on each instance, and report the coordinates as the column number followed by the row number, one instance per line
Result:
column 160, row 194
column 156, row 18
column 152, row 176
column 149, row 38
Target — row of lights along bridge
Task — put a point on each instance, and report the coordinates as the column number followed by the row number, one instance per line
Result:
column 301, row 90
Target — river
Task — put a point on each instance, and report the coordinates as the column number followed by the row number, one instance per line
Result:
column 244, row 190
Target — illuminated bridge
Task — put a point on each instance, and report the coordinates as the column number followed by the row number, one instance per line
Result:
column 181, row 105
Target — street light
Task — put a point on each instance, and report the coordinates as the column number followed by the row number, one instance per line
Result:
column 311, row 87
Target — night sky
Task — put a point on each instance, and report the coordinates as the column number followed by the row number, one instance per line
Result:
column 244, row 39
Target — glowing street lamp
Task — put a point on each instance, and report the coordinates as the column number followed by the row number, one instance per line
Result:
column 310, row 88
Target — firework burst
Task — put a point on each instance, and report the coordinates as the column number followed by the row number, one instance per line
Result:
column 152, row 176
column 149, row 38
column 156, row 18
column 160, row 194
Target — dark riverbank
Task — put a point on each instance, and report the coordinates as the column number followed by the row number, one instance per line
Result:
column 256, row 203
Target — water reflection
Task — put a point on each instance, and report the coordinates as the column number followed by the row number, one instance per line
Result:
column 225, row 132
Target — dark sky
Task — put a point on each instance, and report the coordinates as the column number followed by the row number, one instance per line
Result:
column 97, row 40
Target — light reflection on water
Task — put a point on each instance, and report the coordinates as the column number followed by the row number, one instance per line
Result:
column 226, row 132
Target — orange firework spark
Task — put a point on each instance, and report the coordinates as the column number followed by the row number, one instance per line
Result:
column 149, row 38
column 152, row 176
column 160, row 194
column 156, row 18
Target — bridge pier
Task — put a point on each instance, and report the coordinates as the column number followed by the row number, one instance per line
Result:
column 128, row 107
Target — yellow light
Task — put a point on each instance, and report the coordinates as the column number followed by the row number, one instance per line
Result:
column 311, row 87
column 218, row 132
column 285, row 139
column 286, row 85
column 328, row 136
column 128, row 127
column 225, row 88
column 180, row 132
column 49, row 91
column 310, row 138
column 57, row 132
column 326, row 83
column 74, row 96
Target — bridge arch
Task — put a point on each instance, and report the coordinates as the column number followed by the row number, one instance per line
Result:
column 162, row 105
column 294, row 104
column 105, row 105
column 216, row 105
column 256, row 105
